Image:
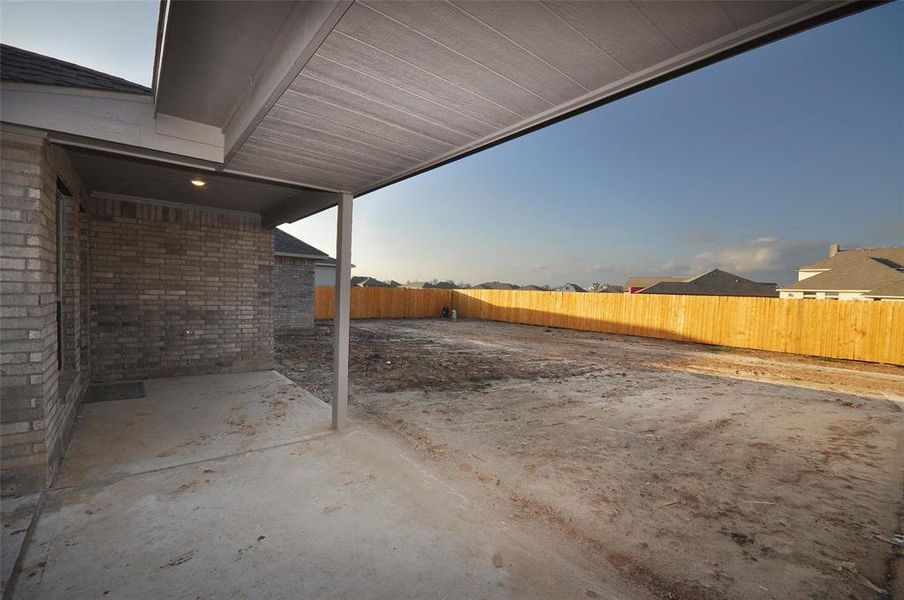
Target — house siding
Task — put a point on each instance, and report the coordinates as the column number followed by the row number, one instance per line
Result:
column 822, row 295
column 324, row 275
column 178, row 291
column 294, row 279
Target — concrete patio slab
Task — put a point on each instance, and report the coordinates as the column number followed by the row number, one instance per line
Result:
column 333, row 518
column 186, row 419
column 329, row 515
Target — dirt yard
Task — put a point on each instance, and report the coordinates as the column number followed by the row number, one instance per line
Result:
column 699, row 472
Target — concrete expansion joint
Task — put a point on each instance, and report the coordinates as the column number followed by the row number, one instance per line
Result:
column 23, row 549
column 105, row 481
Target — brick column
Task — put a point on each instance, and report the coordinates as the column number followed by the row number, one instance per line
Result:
column 27, row 309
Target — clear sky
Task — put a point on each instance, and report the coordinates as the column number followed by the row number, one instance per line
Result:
column 753, row 165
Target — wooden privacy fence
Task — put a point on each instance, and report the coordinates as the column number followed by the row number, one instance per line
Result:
column 384, row 303
column 868, row 331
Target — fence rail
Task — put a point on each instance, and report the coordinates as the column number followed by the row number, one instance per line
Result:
column 868, row 331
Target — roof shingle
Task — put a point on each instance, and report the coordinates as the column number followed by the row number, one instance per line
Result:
column 284, row 243
column 21, row 66
column 714, row 283
column 890, row 254
column 851, row 271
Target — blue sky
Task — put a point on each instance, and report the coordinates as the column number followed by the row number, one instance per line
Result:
column 753, row 165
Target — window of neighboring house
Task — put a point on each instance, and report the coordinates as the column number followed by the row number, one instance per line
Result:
column 809, row 295
column 831, row 295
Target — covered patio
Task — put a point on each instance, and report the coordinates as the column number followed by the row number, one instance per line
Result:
column 138, row 247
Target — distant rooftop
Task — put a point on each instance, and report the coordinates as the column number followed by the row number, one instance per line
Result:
column 21, row 66
column 496, row 285
column 364, row 281
column 892, row 254
column 877, row 271
column 712, row 283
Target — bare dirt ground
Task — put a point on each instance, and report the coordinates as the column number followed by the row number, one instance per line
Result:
column 699, row 472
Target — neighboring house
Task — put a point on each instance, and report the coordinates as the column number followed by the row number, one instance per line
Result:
column 712, row 283
column 367, row 282
column 606, row 288
column 325, row 271
column 393, row 283
column 855, row 274
column 635, row 284
column 571, row 287
column 495, row 285
column 295, row 263
column 534, row 288
column 426, row 285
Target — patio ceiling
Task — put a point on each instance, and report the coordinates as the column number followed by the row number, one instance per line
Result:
column 351, row 96
column 392, row 88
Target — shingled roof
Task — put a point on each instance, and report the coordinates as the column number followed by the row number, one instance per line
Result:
column 284, row 243
column 645, row 282
column 21, row 66
column 888, row 255
column 714, row 283
column 851, row 271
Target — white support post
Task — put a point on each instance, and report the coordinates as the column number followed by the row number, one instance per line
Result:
column 341, row 311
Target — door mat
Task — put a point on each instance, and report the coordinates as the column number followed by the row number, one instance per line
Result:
column 115, row 391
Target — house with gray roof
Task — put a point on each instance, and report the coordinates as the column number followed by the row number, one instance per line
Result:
column 364, row 281
column 712, row 283
column 636, row 284
column 854, row 274
column 324, row 265
column 495, row 285
column 570, row 287
column 295, row 265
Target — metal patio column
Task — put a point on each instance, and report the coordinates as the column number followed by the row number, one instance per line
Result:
column 341, row 312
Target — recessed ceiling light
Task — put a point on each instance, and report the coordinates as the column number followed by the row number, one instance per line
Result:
column 198, row 182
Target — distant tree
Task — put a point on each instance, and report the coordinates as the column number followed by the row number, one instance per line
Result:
column 596, row 287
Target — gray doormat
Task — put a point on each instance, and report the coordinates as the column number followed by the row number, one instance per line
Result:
column 115, row 391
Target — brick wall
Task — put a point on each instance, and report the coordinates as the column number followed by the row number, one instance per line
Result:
column 178, row 291
column 36, row 413
column 294, row 279
column 66, row 376
column 147, row 291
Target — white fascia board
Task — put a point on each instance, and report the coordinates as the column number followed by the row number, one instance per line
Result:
column 119, row 118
